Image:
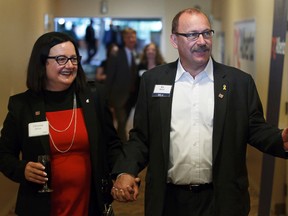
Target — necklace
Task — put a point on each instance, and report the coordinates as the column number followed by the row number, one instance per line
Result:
column 74, row 113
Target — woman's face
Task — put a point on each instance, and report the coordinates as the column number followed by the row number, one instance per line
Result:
column 151, row 51
column 60, row 77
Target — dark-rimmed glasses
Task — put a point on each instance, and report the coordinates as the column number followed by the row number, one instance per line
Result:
column 62, row 60
column 195, row 35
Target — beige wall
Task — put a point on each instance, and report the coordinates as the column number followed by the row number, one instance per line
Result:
column 21, row 23
column 229, row 12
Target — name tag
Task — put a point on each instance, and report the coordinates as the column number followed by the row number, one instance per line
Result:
column 38, row 128
column 162, row 91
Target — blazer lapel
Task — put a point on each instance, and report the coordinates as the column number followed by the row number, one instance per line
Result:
column 38, row 112
column 165, row 107
column 90, row 112
column 221, row 91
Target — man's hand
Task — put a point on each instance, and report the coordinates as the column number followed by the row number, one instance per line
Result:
column 125, row 188
column 285, row 138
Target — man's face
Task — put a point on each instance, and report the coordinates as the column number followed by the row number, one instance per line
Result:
column 130, row 40
column 193, row 53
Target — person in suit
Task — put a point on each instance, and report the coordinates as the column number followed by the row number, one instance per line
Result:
column 91, row 42
column 102, row 68
column 192, row 122
column 122, row 81
column 60, row 116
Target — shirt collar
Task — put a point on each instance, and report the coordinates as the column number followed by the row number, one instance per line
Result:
column 208, row 70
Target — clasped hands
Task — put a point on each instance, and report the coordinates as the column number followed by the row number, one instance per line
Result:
column 125, row 188
column 285, row 138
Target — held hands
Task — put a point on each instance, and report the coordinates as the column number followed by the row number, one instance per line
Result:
column 125, row 188
column 34, row 172
column 285, row 138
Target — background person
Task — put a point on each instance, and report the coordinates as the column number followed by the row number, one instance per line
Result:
column 91, row 42
column 81, row 140
column 122, row 80
column 101, row 71
column 192, row 122
column 150, row 58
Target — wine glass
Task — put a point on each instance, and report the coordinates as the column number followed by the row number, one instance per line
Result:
column 45, row 160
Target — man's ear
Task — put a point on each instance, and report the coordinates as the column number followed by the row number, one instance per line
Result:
column 173, row 40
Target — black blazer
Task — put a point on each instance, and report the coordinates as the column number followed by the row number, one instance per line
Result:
column 29, row 107
column 238, row 120
column 120, row 79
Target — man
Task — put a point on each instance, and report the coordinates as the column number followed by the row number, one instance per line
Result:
column 192, row 122
column 122, row 81
column 91, row 42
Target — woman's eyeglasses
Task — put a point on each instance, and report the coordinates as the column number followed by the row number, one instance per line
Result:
column 62, row 60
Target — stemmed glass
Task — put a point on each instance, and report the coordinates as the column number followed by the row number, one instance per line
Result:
column 45, row 160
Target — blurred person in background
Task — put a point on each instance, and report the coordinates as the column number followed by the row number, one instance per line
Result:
column 150, row 58
column 101, row 71
column 122, row 80
column 91, row 42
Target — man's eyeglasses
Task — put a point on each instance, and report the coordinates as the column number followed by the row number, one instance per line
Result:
column 62, row 60
column 195, row 35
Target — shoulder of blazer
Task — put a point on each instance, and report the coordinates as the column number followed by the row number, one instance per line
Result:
column 229, row 71
column 26, row 98
column 162, row 69
column 97, row 89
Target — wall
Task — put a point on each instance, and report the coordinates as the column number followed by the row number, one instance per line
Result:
column 229, row 12
column 21, row 23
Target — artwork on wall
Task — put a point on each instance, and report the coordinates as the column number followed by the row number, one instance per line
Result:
column 244, row 46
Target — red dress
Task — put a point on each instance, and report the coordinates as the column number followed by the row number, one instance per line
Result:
column 71, row 170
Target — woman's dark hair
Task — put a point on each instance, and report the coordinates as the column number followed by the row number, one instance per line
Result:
column 158, row 58
column 36, row 72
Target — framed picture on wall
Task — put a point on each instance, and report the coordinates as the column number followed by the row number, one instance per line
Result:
column 244, row 45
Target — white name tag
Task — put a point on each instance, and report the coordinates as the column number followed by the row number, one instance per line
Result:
column 162, row 91
column 38, row 128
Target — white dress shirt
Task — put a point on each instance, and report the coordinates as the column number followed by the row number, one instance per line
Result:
column 192, row 127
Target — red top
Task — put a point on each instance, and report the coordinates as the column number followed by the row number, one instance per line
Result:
column 71, row 171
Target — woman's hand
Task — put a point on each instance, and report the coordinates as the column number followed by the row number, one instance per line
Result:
column 34, row 172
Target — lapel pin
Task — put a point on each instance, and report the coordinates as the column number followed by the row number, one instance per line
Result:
column 220, row 95
column 224, row 87
column 87, row 100
column 37, row 113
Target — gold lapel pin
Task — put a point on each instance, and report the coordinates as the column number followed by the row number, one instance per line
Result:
column 224, row 87
column 37, row 113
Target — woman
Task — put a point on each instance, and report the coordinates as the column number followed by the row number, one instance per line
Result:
column 81, row 140
column 150, row 58
column 101, row 71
